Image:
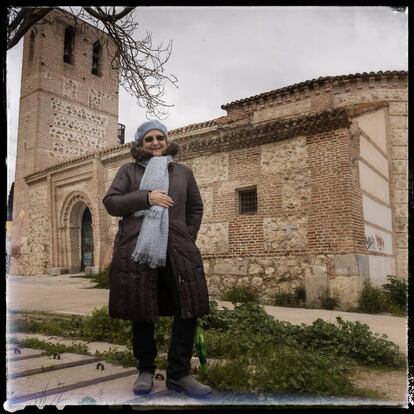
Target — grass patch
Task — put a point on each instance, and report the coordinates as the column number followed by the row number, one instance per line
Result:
column 49, row 347
column 283, row 369
column 329, row 303
column 101, row 279
column 241, row 294
column 295, row 299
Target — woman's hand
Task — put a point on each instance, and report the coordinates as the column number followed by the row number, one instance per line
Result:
column 159, row 198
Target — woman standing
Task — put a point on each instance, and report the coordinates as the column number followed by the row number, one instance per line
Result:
column 156, row 268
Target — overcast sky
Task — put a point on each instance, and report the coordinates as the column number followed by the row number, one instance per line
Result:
column 221, row 54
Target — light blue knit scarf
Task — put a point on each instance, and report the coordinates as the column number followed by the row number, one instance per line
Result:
column 151, row 247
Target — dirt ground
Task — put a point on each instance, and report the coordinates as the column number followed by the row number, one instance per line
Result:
column 388, row 385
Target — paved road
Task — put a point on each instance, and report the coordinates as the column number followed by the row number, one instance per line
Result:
column 71, row 294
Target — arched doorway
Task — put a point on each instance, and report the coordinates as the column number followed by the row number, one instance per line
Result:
column 86, row 245
column 76, row 238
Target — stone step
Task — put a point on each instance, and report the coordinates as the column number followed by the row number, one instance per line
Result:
column 34, row 366
column 59, row 384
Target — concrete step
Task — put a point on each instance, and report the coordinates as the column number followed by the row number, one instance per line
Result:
column 64, row 385
column 29, row 367
column 85, row 384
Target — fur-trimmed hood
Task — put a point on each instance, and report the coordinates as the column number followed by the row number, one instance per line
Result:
column 140, row 154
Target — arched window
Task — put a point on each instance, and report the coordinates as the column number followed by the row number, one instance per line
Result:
column 31, row 45
column 96, row 57
column 68, row 45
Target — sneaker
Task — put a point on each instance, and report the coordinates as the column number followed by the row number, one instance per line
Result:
column 143, row 383
column 189, row 386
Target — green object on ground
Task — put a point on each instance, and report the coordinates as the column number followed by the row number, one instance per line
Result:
column 201, row 348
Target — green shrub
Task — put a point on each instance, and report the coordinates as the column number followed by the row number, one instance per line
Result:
column 216, row 319
column 99, row 326
column 351, row 340
column 69, row 326
column 241, row 294
column 101, row 279
column 373, row 299
column 294, row 299
column 397, row 292
column 329, row 302
column 281, row 369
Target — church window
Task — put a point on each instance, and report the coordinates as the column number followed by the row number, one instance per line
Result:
column 68, row 45
column 96, row 58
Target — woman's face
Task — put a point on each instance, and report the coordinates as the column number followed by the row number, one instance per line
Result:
column 154, row 141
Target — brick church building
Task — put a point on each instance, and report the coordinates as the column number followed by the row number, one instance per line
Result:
column 303, row 186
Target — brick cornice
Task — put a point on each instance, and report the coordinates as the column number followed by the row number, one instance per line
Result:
column 316, row 85
column 112, row 151
column 254, row 135
column 192, row 128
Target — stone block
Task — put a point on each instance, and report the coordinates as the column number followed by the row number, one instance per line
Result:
column 225, row 266
column 91, row 270
column 399, row 136
column 56, row 271
column 399, row 152
column 257, row 281
column 401, row 210
column 255, row 268
column 241, row 267
column 316, row 285
column 400, row 181
column 363, row 266
column 399, row 166
column 74, row 269
column 346, row 265
column 401, row 196
column 347, row 289
column 243, row 281
column 318, row 271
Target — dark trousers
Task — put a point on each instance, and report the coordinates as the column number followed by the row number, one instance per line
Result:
column 182, row 339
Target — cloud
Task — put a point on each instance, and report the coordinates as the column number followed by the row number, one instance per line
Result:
column 221, row 54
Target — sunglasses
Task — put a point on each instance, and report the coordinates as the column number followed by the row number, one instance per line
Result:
column 151, row 138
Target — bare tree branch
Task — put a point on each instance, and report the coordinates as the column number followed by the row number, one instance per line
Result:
column 140, row 65
column 19, row 23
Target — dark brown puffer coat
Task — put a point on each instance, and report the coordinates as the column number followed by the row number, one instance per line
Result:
column 133, row 293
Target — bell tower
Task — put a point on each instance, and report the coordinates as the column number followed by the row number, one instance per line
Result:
column 68, row 106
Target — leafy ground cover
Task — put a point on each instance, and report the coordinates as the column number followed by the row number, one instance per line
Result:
column 256, row 352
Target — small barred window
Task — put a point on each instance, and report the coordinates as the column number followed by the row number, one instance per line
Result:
column 248, row 201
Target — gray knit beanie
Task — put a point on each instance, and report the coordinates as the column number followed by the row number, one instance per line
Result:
column 147, row 126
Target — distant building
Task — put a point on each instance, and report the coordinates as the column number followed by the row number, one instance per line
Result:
column 303, row 186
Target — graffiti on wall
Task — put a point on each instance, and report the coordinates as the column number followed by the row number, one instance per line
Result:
column 375, row 242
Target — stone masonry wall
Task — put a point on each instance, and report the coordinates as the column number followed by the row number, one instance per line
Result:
column 309, row 212
column 35, row 245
